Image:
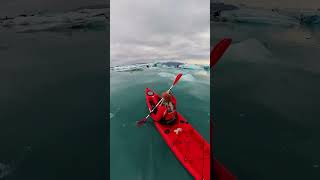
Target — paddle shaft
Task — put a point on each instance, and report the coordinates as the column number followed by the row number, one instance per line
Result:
column 161, row 100
column 139, row 123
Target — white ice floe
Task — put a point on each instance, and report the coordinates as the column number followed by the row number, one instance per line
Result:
column 173, row 65
column 250, row 50
column 188, row 77
column 282, row 17
column 91, row 19
column 202, row 73
column 133, row 67
column 191, row 67
column 258, row 16
column 191, row 72
column 111, row 115
column 262, row 16
column 5, row 170
column 166, row 75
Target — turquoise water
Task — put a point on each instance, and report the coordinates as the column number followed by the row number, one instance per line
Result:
column 141, row 153
column 266, row 97
column 52, row 96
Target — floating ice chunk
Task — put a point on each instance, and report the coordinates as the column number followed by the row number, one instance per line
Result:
column 202, row 73
column 5, row 170
column 166, row 75
column 168, row 69
column 92, row 19
column 250, row 50
column 172, row 64
column 259, row 16
column 134, row 67
column 188, row 77
column 111, row 115
column 191, row 67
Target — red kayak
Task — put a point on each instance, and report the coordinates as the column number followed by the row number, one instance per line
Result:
column 190, row 148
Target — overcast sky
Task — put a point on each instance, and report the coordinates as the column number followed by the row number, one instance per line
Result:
column 148, row 30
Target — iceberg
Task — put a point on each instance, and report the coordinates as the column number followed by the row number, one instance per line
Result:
column 160, row 65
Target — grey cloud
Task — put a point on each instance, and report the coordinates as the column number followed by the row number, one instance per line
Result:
column 145, row 30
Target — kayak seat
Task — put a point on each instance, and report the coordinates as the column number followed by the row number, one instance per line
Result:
column 171, row 122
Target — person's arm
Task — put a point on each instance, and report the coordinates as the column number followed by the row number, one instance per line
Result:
column 160, row 113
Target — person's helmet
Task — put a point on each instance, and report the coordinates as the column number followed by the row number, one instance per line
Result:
column 166, row 96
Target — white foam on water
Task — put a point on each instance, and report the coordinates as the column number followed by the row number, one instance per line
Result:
column 5, row 170
column 111, row 115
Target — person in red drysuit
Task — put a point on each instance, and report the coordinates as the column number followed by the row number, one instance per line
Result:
column 167, row 109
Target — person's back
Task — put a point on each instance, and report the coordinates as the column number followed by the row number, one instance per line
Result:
column 167, row 109
column 170, row 112
column 169, row 106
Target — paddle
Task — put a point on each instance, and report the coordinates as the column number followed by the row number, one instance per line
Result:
column 216, row 54
column 144, row 120
column 219, row 50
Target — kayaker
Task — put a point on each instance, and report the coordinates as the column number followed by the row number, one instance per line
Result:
column 167, row 108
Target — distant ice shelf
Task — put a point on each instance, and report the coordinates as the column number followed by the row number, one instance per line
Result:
column 283, row 17
column 80, row 19
column 160, row 65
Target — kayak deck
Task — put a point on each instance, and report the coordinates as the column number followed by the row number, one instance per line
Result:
column 190, row 148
